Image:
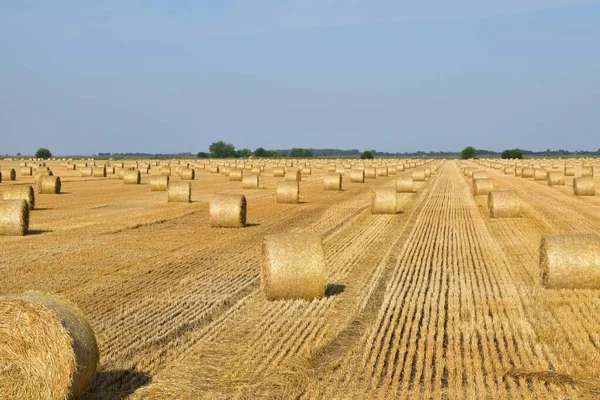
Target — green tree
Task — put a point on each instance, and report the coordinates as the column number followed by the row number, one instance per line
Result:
column 43, row 153
column 367, row 155
column 261, row 153
column 512, row 153
column 468, row 152
column 243, row 153
column 221, row 149
column 301, row 153
column 202, row 154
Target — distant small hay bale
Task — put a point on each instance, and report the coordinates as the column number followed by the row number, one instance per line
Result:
column 478, row 175
column 19, row 192
column 527, row 173
column 236, row 174
column 99, row 172
column 587, row 170
column 400, row 168
column 556, row 178
column 159, row 183
column 26, row 171
column 339, row 169
column 14, row 219
column 518, row 171
column 418, row 175
column 569, row 170
column 49, row 350
column 288, row 192
column 331, row 168
column 166, row 171
column 279, row 172
column 255, row 171
column 570, row 261
column 86, row 171
column 49, row 185
column 227, row 210
column 332, row 182
column 250, row 181
column 584, row 186
column 293, row 176
column 427, row 171
column 404, row 184
column 482, row 186
column 469, row 172
column 293, row 267
column 179, row 192
column 188, row 174
column 383, row 200
column 357, row 175
column 540, row 174
column 392, row 169
column 214, row 169
column 504, row 204
column 509, row 170
column 132, row 177
column 306, row 171
column 381, row 171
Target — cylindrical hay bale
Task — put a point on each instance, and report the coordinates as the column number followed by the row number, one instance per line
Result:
column 250, row 181
column 569, row 170
column 293, row 176
column 49, row 184
column 331, row 168
column 509, row 170
column 279, row 172
column 540, row 174
column 293, row 267
column 132, row 177
column 370, row 172
column 339, row 169
column 381, row 171
column 427, row 171
column 26, row 171
column 518, row 171
column 357, row 175
column 504, row 204
column 227, row 210
column 49, row 350
column 478, row 175
column 86, row 171
column 570, row 261
column 584, row 186
column 527, row 173
column 166, row 171
column 99, row 172
column 391, row 169
column 556, row 178
column 288, row 192
column 332, row 182
column 9, row 174
column 188, row 174
column 214, row 169
column 587, row 170
column 236, row 174
column 404, row 184
column 400, row 168
column 306, row 171
column 482, row 186
column 20, row 193
column 418, row 175
column 179, row 192
column 383, row 200
column 14, row 220
column 255, row 171
column 159, row 183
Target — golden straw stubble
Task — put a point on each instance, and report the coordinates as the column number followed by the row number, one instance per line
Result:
column 227, row 210
column 570, row 261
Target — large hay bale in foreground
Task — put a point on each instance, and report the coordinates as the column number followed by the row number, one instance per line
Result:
column 332, row 182
column 357, row 175
column 288, row 192
column 482, row 186
column 187, row 174
column 556, row 178
column 227, row 210
column 99, row 172
column 48, row 349
column 49, row 185
column 570, row 261
column 18, row 192
column 418, row 175
column 159, row 183
column 132, row 177
column 250, row 181
column 587, row 170
column 383, row 200
column 404, row 184
column 293, row 267
column 584, row 186
column 179, row 192
column 504, row 204
column 14, row 220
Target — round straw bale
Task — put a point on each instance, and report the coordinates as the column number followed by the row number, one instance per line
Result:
column 48, row 351
column 370, row 172
column 293, row 176
column 14, row 220
column 159, row 183
column 279, row 172
column 236, row 174
column 570, row 261
column 339, row 169
column 166, row 171
column 584, row 186
column 587, row 170
column 478, row 175
column 400, row 167
column 306, row 171
column 427, row 171
column 518, row 171
column 18, row 192
column 527, row 173
column 391, row 169
column 49, row 184
column 482, row 186
column 509, row 170
column 250, row 181
column 288, row 192
column 10, row 174
column 179, row 192
column 227, row 210
column 332, row 182
column 331, row 168
column 404, row 183
column 383, row 200
column 293, row 267
column 255, row 170
column 188, row 174
column 357, row 175
column 86, row 171
column 381, row 171
column 540, row 174
column 556, row 178
column 418, row 175
column 504, row 204
column 26, row 171
column 214, row 169
column 132, row 177
column 99, row 172
column 569, row 170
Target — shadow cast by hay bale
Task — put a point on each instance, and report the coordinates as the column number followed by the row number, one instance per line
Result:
column 116, row 384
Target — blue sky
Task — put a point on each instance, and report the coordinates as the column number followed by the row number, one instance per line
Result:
column 147, row 76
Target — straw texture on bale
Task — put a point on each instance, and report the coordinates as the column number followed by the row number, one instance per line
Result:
column 404, row 184
column 293, row 176
column 236, row 174
column 49, row 350
column 383, row 200
column 482, row 186
column 20, row 193
column 504, row 204
column 132, row 177
column 391, row 169
column 357, row 175
column 14, row 219
column 293, row 267
column 288, row 192
column 569, row 170
column 332, row 182
column 556, row 178
column 188, row 174
column 584, row 186
column 418, row 175
column 527, row 173
column 159, row 183
column 9, row 175
column 540, row 174
column 250, row 181
column 166, row 171
column 381, row 171
column 478, row 175
column 99, row 172
column 227, row 210
column 509, row 170
column 214, row 169
column 331, row 168
column 121, row 173
column 26, row 171
column 518, row 171
column 428, row 172
column 86, row 171
column 370, row 172
column 179, row 192
column 587, row 170
column 49, row 185
column 306, row 171
column 339, row 169
column 570, row 261
column 279, row 172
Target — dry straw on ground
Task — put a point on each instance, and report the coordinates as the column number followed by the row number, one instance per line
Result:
column 132, row 177
column 48, row 350
column 418, row 175
column 504, row 204
column 540, row 174
column 527, row 173
column 293, row 267
column 404, row 184
column 357, row 175
column 288, row 192
column 556, row 178
column 188, row 174
column 383, row 200
column 584, row 186
column 482, row 186
column 236, row 174
column 227, row 210
column 20, row 192
column 14, row 219
column 332, row 182
column 159, row 183
column 179, row 192
column 570, row 261
column 250, row 181
column 49, row 185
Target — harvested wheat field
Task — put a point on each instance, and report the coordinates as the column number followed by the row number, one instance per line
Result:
column 436, row 300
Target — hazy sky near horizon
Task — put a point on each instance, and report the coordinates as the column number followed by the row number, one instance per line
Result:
column 155, row 76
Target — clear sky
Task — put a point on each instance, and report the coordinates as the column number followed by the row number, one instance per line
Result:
column 82, row 77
